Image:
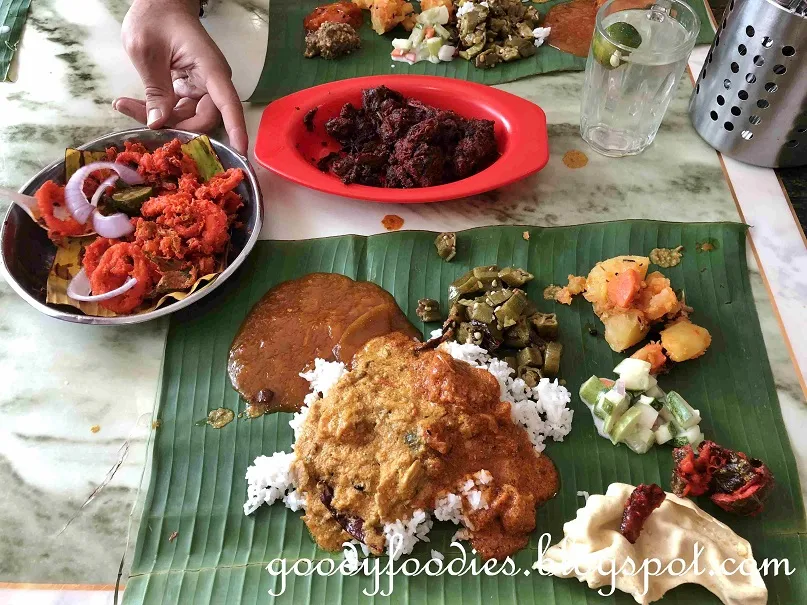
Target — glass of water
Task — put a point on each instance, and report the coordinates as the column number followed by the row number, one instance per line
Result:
column 637, row 56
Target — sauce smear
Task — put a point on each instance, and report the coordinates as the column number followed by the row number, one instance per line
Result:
column 323, row 315
column 392, row 222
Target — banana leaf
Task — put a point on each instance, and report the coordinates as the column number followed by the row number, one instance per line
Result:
column 196, row 546
column 285, row 70
column 13, row 14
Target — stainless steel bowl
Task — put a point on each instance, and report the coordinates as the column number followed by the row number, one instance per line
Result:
column 26, row 253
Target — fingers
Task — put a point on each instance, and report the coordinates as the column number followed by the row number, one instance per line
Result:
column 206, row 117
column 153, row 63
column 223, row 94
column 185, row 85
column 136, row 109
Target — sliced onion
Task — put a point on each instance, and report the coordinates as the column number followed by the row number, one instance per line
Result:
column 77, row 203
column 96, row 197
column 619, row 387
column 112, row 226
column 79, row 288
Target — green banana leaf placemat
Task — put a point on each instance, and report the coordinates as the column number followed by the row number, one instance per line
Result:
column 285, row 70
column 196, row 546
column 12, row 18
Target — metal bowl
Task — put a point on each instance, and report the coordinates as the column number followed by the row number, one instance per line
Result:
column 26, row 253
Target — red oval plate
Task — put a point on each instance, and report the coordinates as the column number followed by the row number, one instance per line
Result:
column 285, row 146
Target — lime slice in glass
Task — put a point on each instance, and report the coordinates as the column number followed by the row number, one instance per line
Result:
column 606, row 53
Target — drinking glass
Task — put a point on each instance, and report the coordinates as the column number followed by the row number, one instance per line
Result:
column 635, row 62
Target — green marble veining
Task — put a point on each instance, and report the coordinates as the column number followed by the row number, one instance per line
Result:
column 83, row 78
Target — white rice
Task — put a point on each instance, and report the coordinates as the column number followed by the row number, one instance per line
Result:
column 268, row 480
column 449, row 508
column 541, row 410
column 403, row 535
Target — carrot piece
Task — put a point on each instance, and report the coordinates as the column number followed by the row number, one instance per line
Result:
column 653, row 354
column 428, row 32
column 624, row 288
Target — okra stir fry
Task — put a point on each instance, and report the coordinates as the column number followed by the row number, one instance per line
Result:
column 489, row 308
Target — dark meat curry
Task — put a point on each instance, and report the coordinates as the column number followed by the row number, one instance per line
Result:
column 401, row 430
column 323, row 315
column 392, row 141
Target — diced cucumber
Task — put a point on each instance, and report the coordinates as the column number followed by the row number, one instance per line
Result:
column 434, row 16
column 648, row 415
column 634, row 373
column 418, row 32
column 629, row 365
column 442, row 31
column 663, row 433
column 591, row 389
column 655, row 392
column 610, row 401
column 402, row 43
column 681, row 411
column 626, row 425
column 434, row 44
column 665, row 414
column 640, row 440
column 692, row 436
column 617, row 408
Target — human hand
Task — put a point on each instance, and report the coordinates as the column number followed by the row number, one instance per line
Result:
column 187, row 81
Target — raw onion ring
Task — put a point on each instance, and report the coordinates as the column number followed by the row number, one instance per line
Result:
column 81, row 283
column 81, row 208
column 119, row 263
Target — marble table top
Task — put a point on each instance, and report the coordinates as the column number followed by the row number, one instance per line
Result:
column 71, row 66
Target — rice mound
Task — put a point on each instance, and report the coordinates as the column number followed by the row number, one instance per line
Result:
column 541, row 411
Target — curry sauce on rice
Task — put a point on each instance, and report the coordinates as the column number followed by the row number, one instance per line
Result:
column 407, row 432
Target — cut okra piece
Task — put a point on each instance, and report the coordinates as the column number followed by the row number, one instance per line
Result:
column 531, row 376
column 464, row 285
column 510, row 311
column 515, row 277
column 531, row 356
column 428, row 310
column 552, row 358
column 446, row 244
column 518, row 335
column 457, row 313
column 497, row 297
column 545, row 325
column 481, row 311
column 486, row 272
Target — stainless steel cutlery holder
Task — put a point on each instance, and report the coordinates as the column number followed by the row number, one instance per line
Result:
column 750, row 99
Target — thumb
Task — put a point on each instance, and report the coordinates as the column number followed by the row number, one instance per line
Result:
column 160, row 98
column 155, row 72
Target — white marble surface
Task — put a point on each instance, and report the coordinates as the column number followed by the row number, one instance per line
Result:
column 70, row 67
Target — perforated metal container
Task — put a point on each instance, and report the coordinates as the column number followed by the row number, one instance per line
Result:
column 750, row 99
